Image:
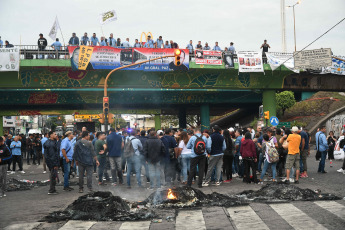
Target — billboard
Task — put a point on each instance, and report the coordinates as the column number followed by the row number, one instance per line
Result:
column 313, row 59
column 9, row 59
column 250, row 61
column 105, row 57
column 208, row 57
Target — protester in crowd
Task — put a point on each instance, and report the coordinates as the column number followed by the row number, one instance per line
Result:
column 84, row 154
column 186, row 155
column 42, row 44
column 1, row 43
column 331, row 140
column 238, row 169
column 215, row 146
column 322, row 146
column 197, row 144
column 304, row 146
column 5, row 157
column 216, row 47
column 248, row 153
column 167, row 45
column 132, row 153
column 137, row 44
column 118, row 42
column 66, row 153
column 38, row 149
column 154, row 150
column 198, row 46
column 74, row 40
column 84, row 41
column 111, row 41
column 126, row 43
column 114, row 145
column 293, row 157
column 102, row 42
column 94, row 40
column 143, row 138
column 266, row 145
column 190, row 47
column 22, row 139
column 56, row 46
column 207, row 47
column 8, row 45
column 265, row 46
column 100, row 149
column 170, row 160
column 44, row 139
column 282, row 153
column 232, row 48
column 149, row 43
column 159, row 42
column 228, row 157
column 173, row 45
column 52, row 159
column 17, row 154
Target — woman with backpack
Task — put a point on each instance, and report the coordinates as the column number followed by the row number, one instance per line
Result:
column 248, row 153
column 228, row 156
column 267, row 148
column 186, row 154
column 5, row 157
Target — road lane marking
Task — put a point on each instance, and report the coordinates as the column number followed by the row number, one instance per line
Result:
column 137, row 225
column 79, row 225
column 333, row 207
column 245, row 218
column 191, row 219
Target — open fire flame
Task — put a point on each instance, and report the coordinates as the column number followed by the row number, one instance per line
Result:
column 171, row 196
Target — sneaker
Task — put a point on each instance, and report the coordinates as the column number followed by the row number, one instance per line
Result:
column 77, row 177
column 53, row 193
column 68, row 189
column 22, row 172
column 324, row 172
column 205, row 184
column 81, row 190
column 113, row 184
column 303, row 176
column 339, row 170
column 4, row 195
column 125, row 174
column 44, row 172
column 227, row 181
column 12, row 172
column 292, row 180
column 234, row 175
column 218, row 183
column 296, row 182
column 286, row 181
column 9, row 171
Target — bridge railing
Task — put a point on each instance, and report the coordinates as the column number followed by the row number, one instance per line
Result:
column 34, row 52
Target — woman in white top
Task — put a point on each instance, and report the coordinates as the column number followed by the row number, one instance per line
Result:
column 185, row 155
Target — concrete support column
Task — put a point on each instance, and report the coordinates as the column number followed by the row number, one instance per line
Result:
column 182, row 118
column 158, row 123
column 269, row 102
column 1, row 125
column 205, row 117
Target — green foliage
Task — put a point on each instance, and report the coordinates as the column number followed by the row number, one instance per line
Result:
column 120, row 123
column 285, row 100
column 53, row 122
column 299, row 124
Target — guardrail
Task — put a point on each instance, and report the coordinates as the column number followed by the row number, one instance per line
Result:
column 33, row 52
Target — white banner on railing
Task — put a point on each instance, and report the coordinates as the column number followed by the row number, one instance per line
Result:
column 250, row 61
column 277, row 59
column 9, row 59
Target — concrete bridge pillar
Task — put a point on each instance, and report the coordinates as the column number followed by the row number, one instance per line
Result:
column 1, row 125
column 158, row 123
column 269, row 102
column 182, row 118
column 205, row 116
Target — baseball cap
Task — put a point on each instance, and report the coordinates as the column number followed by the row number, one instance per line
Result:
column 294, row 129
column 160, row 133
column 68, row 133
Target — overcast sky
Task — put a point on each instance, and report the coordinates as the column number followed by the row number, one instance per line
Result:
column 245, row 22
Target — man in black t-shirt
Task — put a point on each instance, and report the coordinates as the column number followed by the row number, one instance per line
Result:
column 42, row 44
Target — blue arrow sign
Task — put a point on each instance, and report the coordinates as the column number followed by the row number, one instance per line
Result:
column 274, row 121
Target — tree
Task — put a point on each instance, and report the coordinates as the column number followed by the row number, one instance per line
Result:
column 53, row 122
column 120, row 122
column 285, row 100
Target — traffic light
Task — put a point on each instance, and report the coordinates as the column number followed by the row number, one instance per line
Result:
column 111, row 118
column 105, row 104
column 267, row 115
column 101, row 119
column 177, row 54
column 135, row 125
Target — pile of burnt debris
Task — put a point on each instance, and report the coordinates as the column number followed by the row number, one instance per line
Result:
column 22, row 185
column 103, row 206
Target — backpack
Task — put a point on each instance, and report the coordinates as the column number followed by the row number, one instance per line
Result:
column 272, row 153
column 342, row 143
column 128, row 150
column 199, row 146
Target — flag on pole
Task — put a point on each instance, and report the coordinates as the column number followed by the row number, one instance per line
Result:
column 54, row 29
column 107, row 17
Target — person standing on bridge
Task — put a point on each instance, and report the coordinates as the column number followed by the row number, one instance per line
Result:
column 103, row 42
column 42, row 44
column 111, row 41
column 84, row 41
column 52, row 159
column 94, row 40
column 74, row 40
column 159, row 42
column 264, row 48
column 216, row 47
column 232, row 48
column 207, row 47
column 190, row 47
column 66, row 153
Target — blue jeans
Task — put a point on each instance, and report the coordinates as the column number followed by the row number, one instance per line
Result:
column 66, row 171
column 322, row 162
column 266, row 165
column 101, row 167
column 261, row 160
column 133, row 163
column 236, row 162
column 301, row 166
column 185, row 165
column 155, row 174
column 146, row 166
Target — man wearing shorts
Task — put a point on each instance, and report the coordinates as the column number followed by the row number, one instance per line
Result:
column 293, row 157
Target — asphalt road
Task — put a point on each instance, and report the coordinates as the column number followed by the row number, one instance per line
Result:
column 23, row 209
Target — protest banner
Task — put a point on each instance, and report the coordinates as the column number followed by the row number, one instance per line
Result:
column 275, row 60
column 313, row 59
column 208, row 57
column 250, row 61
column 9, row 59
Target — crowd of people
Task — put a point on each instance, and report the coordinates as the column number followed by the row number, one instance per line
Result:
column 167, row 157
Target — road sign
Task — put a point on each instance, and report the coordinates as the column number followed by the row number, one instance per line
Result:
column 286, row 124
column 274, row 121
column 86, row 116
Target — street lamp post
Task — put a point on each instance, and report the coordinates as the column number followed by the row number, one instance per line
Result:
column 294, row 21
